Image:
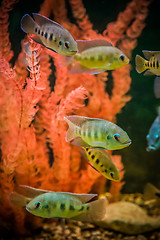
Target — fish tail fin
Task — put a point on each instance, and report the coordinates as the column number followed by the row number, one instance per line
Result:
column 96, row 212
column 98, row 209
column 150, row 191
column 28, row 25
column 140, row 64
column 71, row 133
column 18, row 199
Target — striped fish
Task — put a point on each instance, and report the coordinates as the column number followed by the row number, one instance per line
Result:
column 152, row 64
column 48, row 204
column 49, row 34
column 94, row 132
column 101, row 161
column 95, row 56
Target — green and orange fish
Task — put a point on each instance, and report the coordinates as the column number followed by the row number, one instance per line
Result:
column 48, row 204
column 49, row 34
column 94, row 132
column 151, row 63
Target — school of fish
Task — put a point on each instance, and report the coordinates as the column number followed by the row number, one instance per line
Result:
column 94, row 136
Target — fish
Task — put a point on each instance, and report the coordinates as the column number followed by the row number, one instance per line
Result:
column 153, row 137
column 157, row 87
column 151, row 192
column 94, row 56
column 101, row 161
column 152, row 64
column 49, row 204
column 49, row 34
column 95, row 132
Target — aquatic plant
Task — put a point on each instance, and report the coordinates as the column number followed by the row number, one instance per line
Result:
column 32, row 129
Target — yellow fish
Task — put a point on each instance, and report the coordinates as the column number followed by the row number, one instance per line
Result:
column 49, row 204
column 152, row 64
column 94, row 132
column 101, row 161
column 95, row 56
column 49, row 33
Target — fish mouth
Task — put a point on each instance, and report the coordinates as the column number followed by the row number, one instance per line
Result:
column 150, row 148
column 72, row 52
column 127, row 143
column 27, row 208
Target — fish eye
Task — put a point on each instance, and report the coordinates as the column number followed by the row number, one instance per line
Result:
column 37, row 204
column 157, row 138
column 122, row 57
column 66, row 44
column 117, row 137
column 112, row 175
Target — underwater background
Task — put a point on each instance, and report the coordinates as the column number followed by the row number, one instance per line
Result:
column 139, row 113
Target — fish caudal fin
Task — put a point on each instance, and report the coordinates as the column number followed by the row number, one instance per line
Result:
column 71, row 133
column 140, row 64
column 18, row 199
column 28, row 25
column 150, row 191
column 96, row 212
column 98, row 209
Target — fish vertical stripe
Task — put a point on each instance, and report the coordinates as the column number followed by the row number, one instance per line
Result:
column 157, row 64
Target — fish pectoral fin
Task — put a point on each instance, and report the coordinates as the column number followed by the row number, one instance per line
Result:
column 148, row 73
column 93, row 167
column 86, row 44
column 40, row 20
column 79, row 142
column 77, row 68
column 37, row 39
column 149, row 54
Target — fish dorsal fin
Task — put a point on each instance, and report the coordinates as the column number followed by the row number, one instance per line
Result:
column 77, row 120
column 40, row 20
column 30, row 191
column 82, row 197
column 37, row 39
column 149, row 54
column 34, row 192
column 79, row 142
column 85, row 44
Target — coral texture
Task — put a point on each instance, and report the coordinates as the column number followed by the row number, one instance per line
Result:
column 32, row 129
